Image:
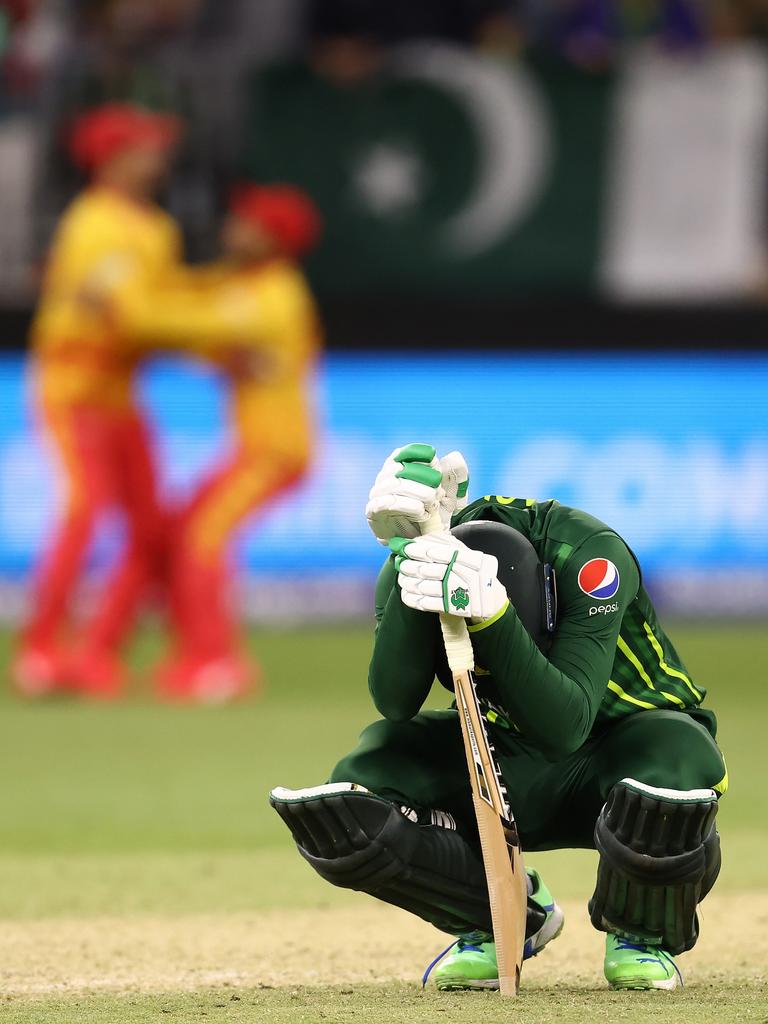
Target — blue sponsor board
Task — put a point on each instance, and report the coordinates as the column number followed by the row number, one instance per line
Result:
column 670, row 451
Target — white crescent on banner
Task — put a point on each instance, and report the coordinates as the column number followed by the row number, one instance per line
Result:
column 510, row 123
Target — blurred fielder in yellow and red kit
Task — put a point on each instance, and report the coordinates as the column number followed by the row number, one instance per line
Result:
column 267, row 230
column 114, row 288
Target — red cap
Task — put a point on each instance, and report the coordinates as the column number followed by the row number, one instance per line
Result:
column 102, row 133
column 284, row 211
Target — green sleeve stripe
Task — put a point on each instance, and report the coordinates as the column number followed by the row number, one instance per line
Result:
column 623, row 695
column 562, row 553
column 635, row 661
column 445, row 580
column 421, row 473
column 477, row 626
column 667, row 669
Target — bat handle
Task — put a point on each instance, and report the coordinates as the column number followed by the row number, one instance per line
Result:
column 458, row 646
column 434, row 524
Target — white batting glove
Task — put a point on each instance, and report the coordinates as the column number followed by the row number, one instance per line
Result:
column 411, row 485
column 455, row 486
column 437, row 573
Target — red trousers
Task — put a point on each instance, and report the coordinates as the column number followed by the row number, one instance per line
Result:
column 106, row 459
column 203, row 619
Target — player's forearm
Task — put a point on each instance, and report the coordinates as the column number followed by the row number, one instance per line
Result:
column 173, row 314
column 179, row 320
column 550, row 708
column 402, row 667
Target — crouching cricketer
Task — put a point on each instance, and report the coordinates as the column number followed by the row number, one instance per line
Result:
column 598, row 729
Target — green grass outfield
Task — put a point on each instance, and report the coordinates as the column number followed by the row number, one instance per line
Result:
column 136, row 816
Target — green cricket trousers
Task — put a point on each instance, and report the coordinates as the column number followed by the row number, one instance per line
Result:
column 421, row 764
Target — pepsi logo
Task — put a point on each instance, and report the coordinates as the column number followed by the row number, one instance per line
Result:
column 599, row 578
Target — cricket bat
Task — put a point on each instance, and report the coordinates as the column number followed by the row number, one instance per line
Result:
column 499, row 841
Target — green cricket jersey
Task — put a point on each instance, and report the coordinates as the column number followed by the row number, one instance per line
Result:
column 609, row 656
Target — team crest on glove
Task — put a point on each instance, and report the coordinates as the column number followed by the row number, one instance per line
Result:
column 437, row 573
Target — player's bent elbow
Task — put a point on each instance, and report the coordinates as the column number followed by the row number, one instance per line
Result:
column 394, row 710
column 555, row 744
column 388, row 698
column 397, row 715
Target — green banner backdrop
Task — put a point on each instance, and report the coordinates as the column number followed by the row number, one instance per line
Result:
column 445, row 172
column 453, row 173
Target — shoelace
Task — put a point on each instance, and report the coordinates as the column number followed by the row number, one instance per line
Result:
column 435, row 962
column 654, row 953
column 463, row 943
column 626, row 944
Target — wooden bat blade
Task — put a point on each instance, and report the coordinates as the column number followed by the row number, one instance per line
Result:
column 502, row 856
column 508, row 899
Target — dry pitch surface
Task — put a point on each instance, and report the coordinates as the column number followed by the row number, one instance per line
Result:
column 351, row 945
column 348, row 963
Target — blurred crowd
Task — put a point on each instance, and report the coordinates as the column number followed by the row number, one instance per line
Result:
column 209, row 61
column 204, row 60
column 136, row 40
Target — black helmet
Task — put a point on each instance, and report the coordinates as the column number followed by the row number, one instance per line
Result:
column 530, row 586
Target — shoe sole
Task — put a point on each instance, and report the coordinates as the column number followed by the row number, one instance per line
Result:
column 640, row 984
column 458, row 983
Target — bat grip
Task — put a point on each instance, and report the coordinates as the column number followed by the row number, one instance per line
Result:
column 458, row 646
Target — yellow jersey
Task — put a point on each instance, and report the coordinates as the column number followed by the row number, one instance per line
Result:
column 271, row 399
column 104, row 242
column 115, row 288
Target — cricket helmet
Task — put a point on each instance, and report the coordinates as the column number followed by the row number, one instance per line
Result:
column 104, row 132
column 285, row 212
column 530, row 586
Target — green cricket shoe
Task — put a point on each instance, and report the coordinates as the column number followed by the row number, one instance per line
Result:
column 472, row 961
column 631, row 965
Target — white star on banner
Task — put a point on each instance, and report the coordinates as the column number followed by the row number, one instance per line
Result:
column 389, row 179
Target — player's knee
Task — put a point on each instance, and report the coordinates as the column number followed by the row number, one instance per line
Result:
column 346, row 770
column 679, row 754
column 203, row 539
column 364, row 764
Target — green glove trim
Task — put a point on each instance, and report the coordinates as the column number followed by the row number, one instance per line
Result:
column 421, row 473
column 461, row 490
column 477, row 626
column 446, row 606
column 416, row 453
column 399, row 544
